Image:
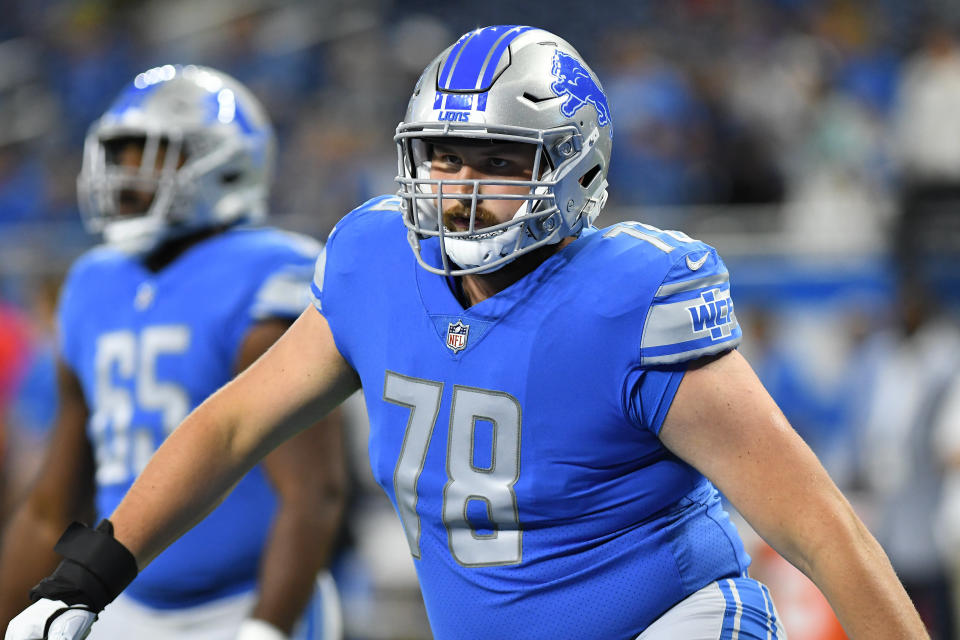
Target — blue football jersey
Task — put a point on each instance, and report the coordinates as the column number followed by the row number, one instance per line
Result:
column 148, row 348
column 518, row 439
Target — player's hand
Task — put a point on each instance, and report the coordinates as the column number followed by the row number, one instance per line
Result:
column 51, row 620
column 94, row 570
column 254, row 629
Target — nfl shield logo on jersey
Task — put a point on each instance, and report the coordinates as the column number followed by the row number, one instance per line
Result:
column 457, row 336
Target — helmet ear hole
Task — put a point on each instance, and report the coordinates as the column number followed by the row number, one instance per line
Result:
column 587, row 178
column 535, row 99
column 230, row 177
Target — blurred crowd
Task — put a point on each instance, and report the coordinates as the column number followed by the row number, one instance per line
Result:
column 811, row 105
column 816, row 143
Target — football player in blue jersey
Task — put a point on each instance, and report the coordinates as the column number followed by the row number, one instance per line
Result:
column 186, row 292
column 553, row 406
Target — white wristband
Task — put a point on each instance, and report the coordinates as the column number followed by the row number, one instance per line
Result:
column 254, row 629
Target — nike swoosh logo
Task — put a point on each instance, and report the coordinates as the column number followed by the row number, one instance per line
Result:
column 695, row 265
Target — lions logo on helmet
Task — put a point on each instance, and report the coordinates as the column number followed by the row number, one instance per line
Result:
column 204, row 149
column 507, row 84
column 575, row 83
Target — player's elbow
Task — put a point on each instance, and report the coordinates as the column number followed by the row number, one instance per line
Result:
column 332, row 501
column 329, row 496
column 318, row 517
column 322, row 496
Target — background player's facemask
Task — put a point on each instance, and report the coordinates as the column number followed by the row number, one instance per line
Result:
column 138, row 176
column 506, row 84
column 206, row 158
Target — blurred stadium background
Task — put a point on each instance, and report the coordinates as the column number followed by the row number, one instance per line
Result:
column 816, row 143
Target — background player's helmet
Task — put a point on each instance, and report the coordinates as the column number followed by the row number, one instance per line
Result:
column 217, row 148
column 507, row 83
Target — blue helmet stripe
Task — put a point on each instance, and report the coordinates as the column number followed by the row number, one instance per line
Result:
column 234, row 114
column 459, row 101
column 453, row 57
column 494, row 59
column 467, row 68
column 465, row 75
column 132, row 96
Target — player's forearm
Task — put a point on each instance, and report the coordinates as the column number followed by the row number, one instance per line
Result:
column 185, row 479
column 810, row 522
column 205, row 457
column 851, row 569
column 300, row 545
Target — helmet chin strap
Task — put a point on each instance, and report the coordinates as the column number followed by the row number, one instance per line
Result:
column 472, row 253
column 134, row 236
column 143, row 234
column 469, row 254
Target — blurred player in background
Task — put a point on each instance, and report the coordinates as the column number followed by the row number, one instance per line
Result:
column 547, row 400
column 185, row 293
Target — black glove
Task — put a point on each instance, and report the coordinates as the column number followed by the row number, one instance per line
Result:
column 95, row 569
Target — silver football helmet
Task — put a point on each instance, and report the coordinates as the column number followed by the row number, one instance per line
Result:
column 506, row 84
column 207, row 157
